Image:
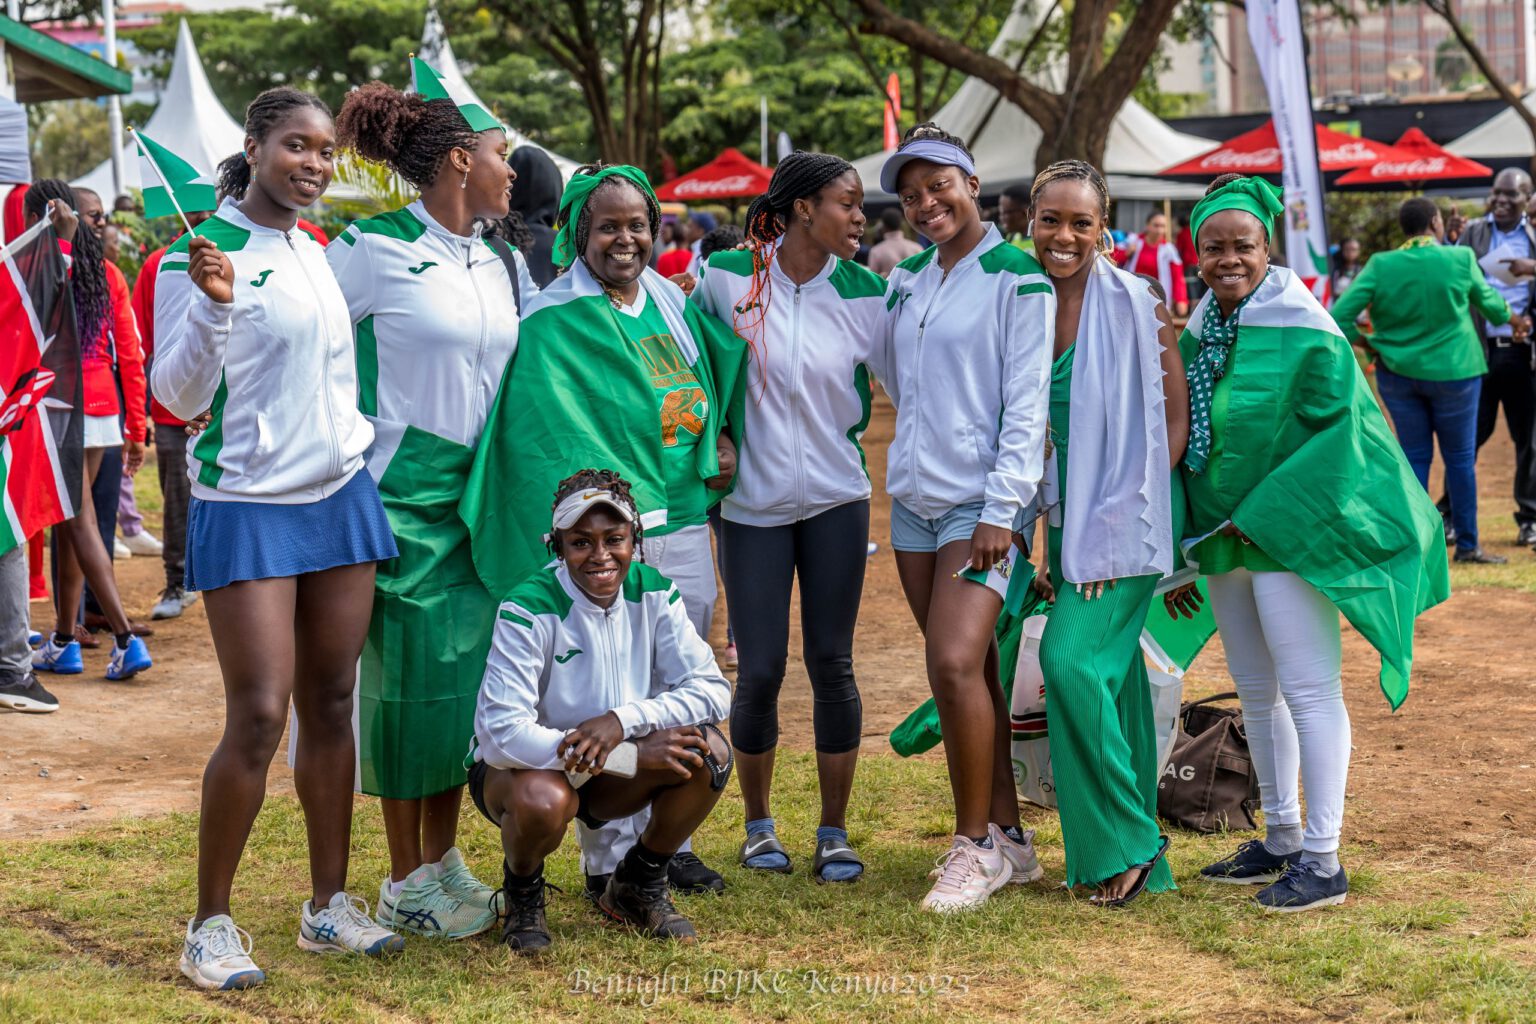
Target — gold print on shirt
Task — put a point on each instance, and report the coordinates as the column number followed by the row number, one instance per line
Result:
column 679, row 411
column 665, row 362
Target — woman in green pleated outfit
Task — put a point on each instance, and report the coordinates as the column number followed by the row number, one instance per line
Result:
column 1110, row 536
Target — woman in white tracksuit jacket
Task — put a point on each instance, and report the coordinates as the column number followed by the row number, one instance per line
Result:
column 436, row 314
column 971, row 350
column 285, row 526
column 815, row 322
column 596, row 669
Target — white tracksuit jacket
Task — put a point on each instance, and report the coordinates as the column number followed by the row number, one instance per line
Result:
column 275, row 367
column 971, row 352
column 436, row 321
column 557, row 660
column 808, row 384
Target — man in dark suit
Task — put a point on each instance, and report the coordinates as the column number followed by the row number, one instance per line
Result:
column 1511, row 379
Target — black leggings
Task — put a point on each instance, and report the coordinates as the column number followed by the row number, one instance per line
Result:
column 829, row 553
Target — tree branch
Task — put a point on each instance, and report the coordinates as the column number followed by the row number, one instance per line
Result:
column 858, row 49
column 1448, row 14
column 1043, row 106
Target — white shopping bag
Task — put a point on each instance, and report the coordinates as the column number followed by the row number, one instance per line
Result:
column 1031, row 750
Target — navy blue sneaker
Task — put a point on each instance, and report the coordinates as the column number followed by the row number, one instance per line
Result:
column 1252, row 864
column 1301, row 888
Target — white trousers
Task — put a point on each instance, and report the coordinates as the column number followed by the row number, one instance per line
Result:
column 1282, row 642
column 685, row 558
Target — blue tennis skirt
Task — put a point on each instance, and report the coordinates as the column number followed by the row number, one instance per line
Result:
column 230, row 541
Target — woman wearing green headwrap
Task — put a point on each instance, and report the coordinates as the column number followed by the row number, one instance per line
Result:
column 615, row 370
column 1301, row 506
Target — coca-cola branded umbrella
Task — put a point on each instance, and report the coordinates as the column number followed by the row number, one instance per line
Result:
column 731, row 175
column 1418, row 159
column 1258, row 152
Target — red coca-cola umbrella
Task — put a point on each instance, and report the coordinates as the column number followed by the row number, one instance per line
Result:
column 1424, row 161
column 731, row 175
column 1258, row 152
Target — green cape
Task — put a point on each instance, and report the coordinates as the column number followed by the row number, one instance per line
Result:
column 576, row 396
column 1313, row 475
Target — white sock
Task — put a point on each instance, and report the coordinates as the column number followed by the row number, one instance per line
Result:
column 395, row 887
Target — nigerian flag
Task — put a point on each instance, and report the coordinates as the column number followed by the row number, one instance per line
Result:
column 164, row 175
column 434, row 86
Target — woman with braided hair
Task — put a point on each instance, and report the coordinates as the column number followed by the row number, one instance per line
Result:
column 1111, row 534
column 814, row 323
column 599, row 702
column 614, row 368
column 105, row 327
column 434, row 304
column 971, row 353
column 285, row 525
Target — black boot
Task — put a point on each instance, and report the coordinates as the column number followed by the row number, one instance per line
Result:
column 522, row 900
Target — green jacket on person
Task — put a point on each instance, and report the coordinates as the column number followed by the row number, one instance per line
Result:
column 1419, row 298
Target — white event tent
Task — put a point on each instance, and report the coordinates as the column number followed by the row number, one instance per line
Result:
column 437, row 51
column 189, row 121
column 1003, row 138
column 1501, row 137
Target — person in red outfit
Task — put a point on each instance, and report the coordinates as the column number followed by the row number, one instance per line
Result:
column 104, row 319
column 170, row 449
column 1152, row 254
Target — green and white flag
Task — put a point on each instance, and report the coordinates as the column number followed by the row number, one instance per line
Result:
column 434, row 86
column 164, row 175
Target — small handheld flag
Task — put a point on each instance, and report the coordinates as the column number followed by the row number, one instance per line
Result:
column 181, row 187
column 433, row 86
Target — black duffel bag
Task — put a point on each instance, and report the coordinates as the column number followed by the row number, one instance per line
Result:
column 1209, row 783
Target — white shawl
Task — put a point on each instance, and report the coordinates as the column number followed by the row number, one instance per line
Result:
column 1117, row 516
column 1167, row 256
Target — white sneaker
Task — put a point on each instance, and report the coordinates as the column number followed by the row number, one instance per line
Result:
column 424, row 908
column 143, row 543
column 217, row 955
column 968, row 874
column 120, row 550
column 1020, row 856
column 460, row 883
column 170, row 605
column 189, row 598
column 343, row 926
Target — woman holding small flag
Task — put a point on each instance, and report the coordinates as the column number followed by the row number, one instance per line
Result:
column 435, row 307
column 970, row 354
column 614, row 368
column 1111, row 535
column 1301, row 506
column 285, row 525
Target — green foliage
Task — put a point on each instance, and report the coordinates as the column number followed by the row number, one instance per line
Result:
column 69, row 137
column 323, row 46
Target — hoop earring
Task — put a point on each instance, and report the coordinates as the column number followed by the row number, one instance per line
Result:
column 465, row 182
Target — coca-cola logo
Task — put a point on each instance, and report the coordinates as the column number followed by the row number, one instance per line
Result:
column 1424, row 167
column 719, row 186
column 1231, row 160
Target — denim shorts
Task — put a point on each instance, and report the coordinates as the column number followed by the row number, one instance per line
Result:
column 911, row 532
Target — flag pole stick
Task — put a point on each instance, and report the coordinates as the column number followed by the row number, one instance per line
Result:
column 144, row 152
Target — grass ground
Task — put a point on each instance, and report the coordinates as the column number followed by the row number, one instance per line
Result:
column 90, row 931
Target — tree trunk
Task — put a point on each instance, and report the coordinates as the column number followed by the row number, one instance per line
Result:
column 1448, row 14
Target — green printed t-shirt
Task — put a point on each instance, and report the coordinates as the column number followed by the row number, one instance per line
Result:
column 682, row 409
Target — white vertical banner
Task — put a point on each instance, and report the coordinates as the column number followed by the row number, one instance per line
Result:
column 1274, row 29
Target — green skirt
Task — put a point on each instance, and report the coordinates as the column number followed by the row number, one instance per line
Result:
column 427, row 643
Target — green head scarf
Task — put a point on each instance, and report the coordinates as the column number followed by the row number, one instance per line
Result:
column 574, row 200
column 1251, row 195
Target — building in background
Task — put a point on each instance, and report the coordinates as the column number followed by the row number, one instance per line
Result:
column 1392, row 53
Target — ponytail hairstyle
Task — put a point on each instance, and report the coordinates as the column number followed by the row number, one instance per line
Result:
column 409, row 135
column 800, row 175
column 596, row 480
column 265, row 113
column 88, row 270
column 1075, row 170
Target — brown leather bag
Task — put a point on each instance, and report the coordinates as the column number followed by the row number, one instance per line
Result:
column 1209, row 783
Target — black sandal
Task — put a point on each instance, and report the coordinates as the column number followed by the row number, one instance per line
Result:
column 1144, row 872
column 760, row 843
column 835, row 851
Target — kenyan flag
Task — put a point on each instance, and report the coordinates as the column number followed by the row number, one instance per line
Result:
column 42, row 424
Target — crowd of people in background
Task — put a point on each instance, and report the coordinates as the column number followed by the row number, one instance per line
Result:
column 468, row 466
